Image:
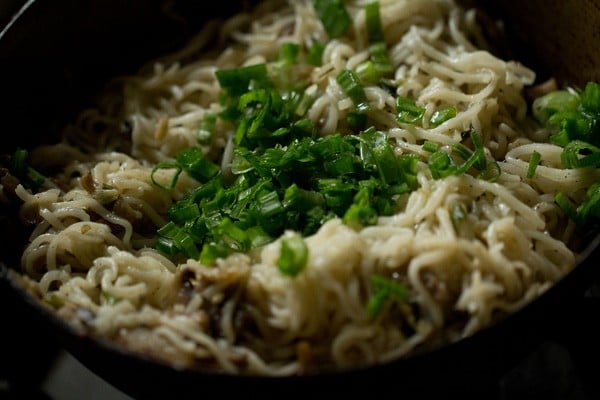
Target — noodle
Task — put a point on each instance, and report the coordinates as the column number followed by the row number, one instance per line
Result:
column 91, row 255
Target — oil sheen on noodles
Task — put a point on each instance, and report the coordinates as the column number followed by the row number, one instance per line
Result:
column 91, row 256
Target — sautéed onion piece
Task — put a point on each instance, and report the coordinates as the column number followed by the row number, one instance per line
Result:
column 430, row 191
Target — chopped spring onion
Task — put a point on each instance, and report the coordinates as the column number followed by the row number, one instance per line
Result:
column 238, row 81
column 168, row 166
column 192, row 161
column 442, row 115
column 373, row 21
column 559, row 101
column 578, row 154
column 408, row 111
column 284, row 67
column 384, row 290
column 587, row 212
column 189, row 160
column 572, row 114
column 315, row 53
column 591, row 205
column 367, row 73
column 294, row 255
column 29, row 176
column 333, row 16
column 207, row 125
column 356, row 121
column 573, row 117
column 476, row 159
column 491, row 173
column 377, row 154
column 380, row 58
column 534, row 161
column 351, row 85
column 361, row 213
column 441, row 164
column 296, row 187
column 430, row 147
column 288, row 52
column 377, row 44
column 285, row 176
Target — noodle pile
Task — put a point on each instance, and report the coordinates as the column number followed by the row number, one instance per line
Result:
column 91, row 254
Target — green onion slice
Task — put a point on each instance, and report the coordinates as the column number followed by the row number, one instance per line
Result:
column 351, row 85
column 294, row 255
column 333, row 16
column 408, row 111
column 383, row 291
column 534, row 161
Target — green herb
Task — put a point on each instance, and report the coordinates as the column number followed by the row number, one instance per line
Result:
column 573, row 117
column 206, row 128
column 383, row 291
column 284, row 67
column 351, row 85
column 587, row 212
column 238, row 81
column 367, row 73
column 190, row 160
column 297, row 187
column 288, row 52
column 534, row 161
column 373, row 22
column 441, row 163
column 571, row 114
column 379, row 65
column 294, row 255
column 442, row 115
column 29, row 176
column 315, row 53
column 356, row 120
column 579, row 154
column 408, row 111
column 333, row 16
column 430, row 147
column 285, row 175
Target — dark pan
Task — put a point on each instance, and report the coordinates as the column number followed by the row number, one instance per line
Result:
column 55, row 55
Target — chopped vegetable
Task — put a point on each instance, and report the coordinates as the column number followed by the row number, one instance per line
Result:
column 408, row 111
column 442, row 164
column 384, row 290
column 586, row 212
column 206, row 127
column 533, row 164
column 29, row 176
column 315, row 53
column 351, row 85
column 571, row 114
column 298, row 187
column 333, row 16
column 367, row 73
column 373, row 21
column 442, row 115
column 578, row 154
column 377, row 45
column 238, row 81
column 294, row 255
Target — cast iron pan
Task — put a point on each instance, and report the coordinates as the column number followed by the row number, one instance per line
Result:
column 56, row 54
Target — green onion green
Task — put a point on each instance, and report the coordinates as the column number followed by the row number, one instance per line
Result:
column 334, row 16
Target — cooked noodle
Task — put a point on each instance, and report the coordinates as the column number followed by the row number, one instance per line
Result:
column 91, row 257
